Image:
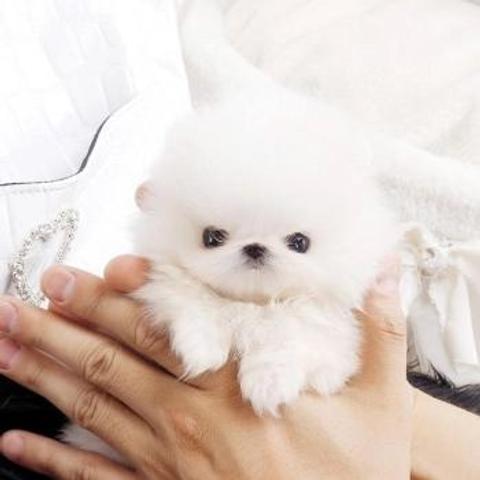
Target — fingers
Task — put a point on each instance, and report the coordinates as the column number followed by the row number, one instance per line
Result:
column 87, row 406
column 126, row 273
column 384, row 326
column 99, row 360
column 59, row 461
column 86, row 296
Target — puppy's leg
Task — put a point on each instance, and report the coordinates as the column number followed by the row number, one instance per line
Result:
column 270, row 378
column 273, row 366
column 334, row 346
column 293, row 347
column 192, row 316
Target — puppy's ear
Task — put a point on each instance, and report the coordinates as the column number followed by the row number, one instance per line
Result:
column 143, row 196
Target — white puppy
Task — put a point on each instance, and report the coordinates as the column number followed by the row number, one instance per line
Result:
column 264, row 229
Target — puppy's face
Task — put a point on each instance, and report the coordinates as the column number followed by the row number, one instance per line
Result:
column 265, row 208
column 242, row 250
column 254, row 259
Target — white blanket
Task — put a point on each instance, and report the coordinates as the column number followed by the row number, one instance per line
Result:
column 410, row 70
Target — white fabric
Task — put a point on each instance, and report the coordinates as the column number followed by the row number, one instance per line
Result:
column 103, row 193
column 440, row 289
column 409, row 70
column 138, row 64
column 65, row 66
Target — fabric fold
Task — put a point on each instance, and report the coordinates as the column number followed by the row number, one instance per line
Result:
column 438, row 291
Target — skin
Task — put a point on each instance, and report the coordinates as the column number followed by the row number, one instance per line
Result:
column 74, row 355
column 445, row 441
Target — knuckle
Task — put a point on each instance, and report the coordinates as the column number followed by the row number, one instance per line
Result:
column 392, row 330
column 389, row 318
column 98, row 364
column 392, row 321
column 34, row 375
column 148, row 337
column 94, row 301
column 86, row 408
column 47, row 465
column 152, row 465
column 188, row 431
column 85, row 471
column 394, row 339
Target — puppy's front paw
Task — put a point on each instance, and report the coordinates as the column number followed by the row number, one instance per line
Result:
column 327, row 381
column 267, row 387
column 202, row 347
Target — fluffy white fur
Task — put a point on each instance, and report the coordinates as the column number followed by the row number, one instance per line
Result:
column 263, row 168
column 262, row 164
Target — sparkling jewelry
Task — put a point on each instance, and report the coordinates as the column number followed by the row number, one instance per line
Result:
column 66, row 222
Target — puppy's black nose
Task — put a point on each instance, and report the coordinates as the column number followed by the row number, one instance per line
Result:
column 254, row 251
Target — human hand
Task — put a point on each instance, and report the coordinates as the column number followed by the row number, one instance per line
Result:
column 202, row 429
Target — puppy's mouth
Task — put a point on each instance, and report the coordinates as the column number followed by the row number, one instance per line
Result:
column 249, row 285
column 258, row 264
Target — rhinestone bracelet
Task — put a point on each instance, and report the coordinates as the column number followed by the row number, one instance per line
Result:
column 66, row 222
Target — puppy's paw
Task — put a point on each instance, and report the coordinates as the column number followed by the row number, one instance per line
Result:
column 201, row 357
column 328, row 381
column 201, row 347
column 267, row 387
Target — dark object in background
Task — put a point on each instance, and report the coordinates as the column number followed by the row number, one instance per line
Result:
column 438, row 386
column 22, row 409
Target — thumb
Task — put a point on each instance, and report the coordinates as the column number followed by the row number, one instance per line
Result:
column 384, row 353
column 126, row 273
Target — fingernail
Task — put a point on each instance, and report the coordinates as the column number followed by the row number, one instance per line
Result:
column 58, row 284
column 12, row 445
column 8, row 316
column 8, row 350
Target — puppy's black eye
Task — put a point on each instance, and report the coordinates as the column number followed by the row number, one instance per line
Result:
column 298, row 242
column 213, row 237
